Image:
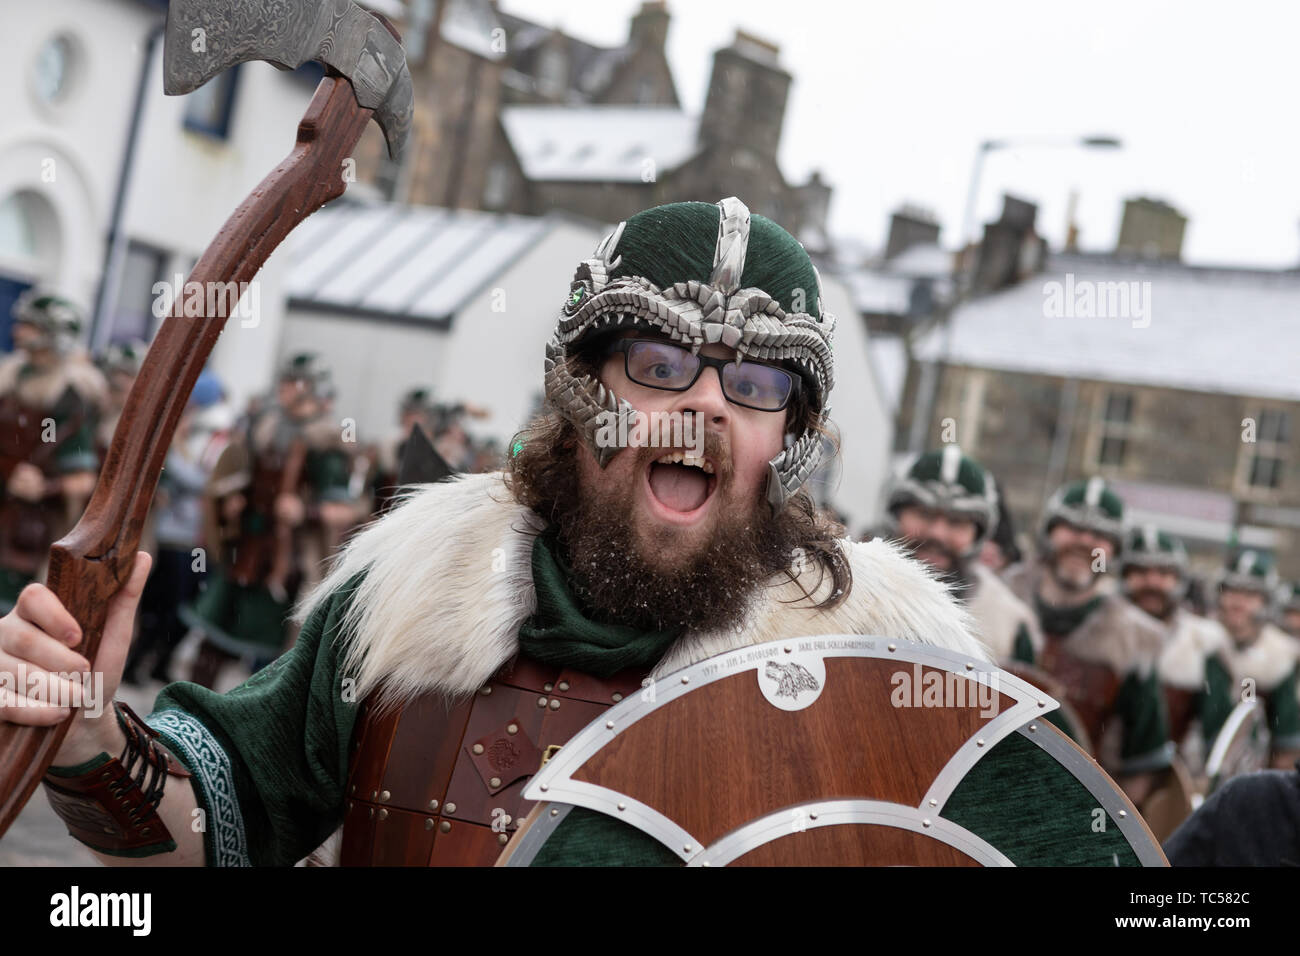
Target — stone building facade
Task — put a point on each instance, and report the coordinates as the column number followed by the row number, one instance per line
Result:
column 1186, row 403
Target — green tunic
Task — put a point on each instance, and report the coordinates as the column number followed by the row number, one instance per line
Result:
column 270, row 758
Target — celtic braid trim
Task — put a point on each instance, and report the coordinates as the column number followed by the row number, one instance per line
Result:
column 206, row 759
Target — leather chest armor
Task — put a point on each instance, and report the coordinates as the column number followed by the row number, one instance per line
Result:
column 1091, row 687
column 438, row 782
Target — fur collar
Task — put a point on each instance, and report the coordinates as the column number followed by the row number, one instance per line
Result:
column 1268, row 660
column 448, row 581
column 999, row 614
column 1117, row 634
column 1191, row 640
column 43, row 389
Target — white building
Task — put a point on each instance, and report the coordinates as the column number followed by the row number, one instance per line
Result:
column 71, row 127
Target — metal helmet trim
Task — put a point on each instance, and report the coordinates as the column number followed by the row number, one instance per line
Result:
column 691, row 313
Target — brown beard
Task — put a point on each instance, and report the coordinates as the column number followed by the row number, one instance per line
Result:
column 1067, row 584
column 619, row 584
column 1167, row 603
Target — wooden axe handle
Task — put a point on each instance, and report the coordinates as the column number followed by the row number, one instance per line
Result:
column 93, row 561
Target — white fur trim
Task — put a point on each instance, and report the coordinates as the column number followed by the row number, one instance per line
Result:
column 43, row 388
column 449, row 582
column 1268, row 660
column 998, row 614
column 1117, row 634
column 1192, row 639
column 892, row 596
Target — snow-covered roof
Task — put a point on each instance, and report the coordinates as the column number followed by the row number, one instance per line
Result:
column 925, row 261
column 608, row 143
column 409, row 261
column 470, row 25
column 1232, row 331
column 878, row 293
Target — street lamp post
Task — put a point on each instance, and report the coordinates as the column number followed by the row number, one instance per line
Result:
column 989, row 145
column 928, row 385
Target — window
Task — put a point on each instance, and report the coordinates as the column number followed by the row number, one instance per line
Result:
column 1115, row 428
column 1268, row 453
column 133, row 319
column 208, row 109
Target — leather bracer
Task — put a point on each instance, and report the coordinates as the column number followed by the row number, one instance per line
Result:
column 111, row 805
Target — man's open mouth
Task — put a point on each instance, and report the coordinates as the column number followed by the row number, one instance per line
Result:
column 681, row 482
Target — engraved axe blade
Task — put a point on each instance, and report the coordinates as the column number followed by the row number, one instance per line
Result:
column 206, row 37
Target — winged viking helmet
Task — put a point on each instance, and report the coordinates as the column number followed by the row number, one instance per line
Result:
column 700, row 273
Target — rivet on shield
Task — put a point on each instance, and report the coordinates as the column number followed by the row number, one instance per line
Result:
column 686, row 680
column 622, row 806
column 925, row 823
column 609, row 725
column 893, row 647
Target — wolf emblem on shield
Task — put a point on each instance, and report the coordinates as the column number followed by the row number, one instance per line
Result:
column 792, row 679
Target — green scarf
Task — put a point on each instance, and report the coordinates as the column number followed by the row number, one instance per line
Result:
column 561, row 633
column 1062, row 621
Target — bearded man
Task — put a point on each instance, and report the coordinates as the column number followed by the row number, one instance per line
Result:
column 487, row 619
column 1263, row 659
column 51, row 398
column 1193, row 665
column 1288, row 610
column 1102, row 648
column 946, row 507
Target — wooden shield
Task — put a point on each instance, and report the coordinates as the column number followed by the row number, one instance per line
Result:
column 1065, row 717
column 1172, row 799
column 831, row 750
column 1241, row 745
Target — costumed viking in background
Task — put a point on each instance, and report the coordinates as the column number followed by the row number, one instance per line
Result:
column 945, row 507
column 1193, row 666
column 1288, row 609
column 279, row 501
column 51, row 399
column 1264, row 660
column 1100, row 647
column 486, row 619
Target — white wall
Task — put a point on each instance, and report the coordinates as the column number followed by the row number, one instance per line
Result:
column 184, row 185
column 78, row 140
column 859, row 411
column 488, row 358
column 495, row 358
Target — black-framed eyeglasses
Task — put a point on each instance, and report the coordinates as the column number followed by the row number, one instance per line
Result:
column 655, row 364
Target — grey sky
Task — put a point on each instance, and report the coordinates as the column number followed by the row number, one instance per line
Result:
column 890, row 100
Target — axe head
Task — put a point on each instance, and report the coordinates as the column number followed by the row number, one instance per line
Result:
column 205, row 37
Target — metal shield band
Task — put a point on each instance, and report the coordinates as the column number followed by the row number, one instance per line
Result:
column 812, row 683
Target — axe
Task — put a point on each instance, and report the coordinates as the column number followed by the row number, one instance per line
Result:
column 366, row 76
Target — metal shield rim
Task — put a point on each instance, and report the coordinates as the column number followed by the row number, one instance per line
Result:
column 554, row 782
